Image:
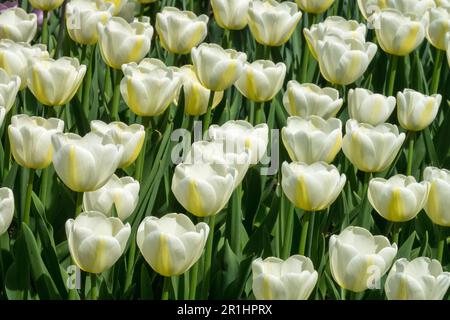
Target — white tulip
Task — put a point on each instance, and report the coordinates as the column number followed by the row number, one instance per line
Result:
column 370, row 7
column 358, row 259
column 6, row 209
column 217, row 68
column 419, row 279
column 31, row 140
column 275, row 279
column 231, row 14
column 314, row 6
column 9, row 87
column 312, row 139
column 96, row 242
column 369, row 148
column 128, row 11
column 85, row 163
column 261, row 80
column 239, row 136
column 399, row 198
column 272, row 23
column 203, row 189
column 118, row 5
column 308, row 99
column 438, row 200
column 368, row 107
column 311, row 187
column 46, row 5
column 171, row 244
column 438, row 27
column 122, row 193
column 18, row 25
column 407, row 7
column 416, row 111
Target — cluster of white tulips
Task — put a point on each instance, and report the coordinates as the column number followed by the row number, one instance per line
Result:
column 98, row 165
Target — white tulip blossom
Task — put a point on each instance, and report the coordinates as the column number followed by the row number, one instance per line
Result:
column 368, row 107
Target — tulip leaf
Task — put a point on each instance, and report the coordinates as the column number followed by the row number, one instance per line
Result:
column 405, row 250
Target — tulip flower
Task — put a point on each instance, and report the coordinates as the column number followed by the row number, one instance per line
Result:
column 312, row 139
column 369, row 148
column 96, row 242
column 261, row 80
column 311, row 187
column 203, row 189
column 231, row 14
column 217, row 68
column 46, row 5
column 416, row 111
column 6, row 209
column 131, row 138
column 419, row 279
column 275, row 279
column 215, row 152
column 196, row 96
column 18, row 25
column 82, row 17
column 171, row 245
column 399, row 34
column 85, row 163
column 118, row 5
column 370, row 7
column 55, row 82
column 31, row 140
column 438, row 27
column 239, row 136
column 438, row 200
column 417, row 8
column 15, row 57
column 314, row 6
column 333, row 26
column 9, row 86
column 121, row 42
column 368, row 107
column 263, row 15
column 343, row 61
column 308, row 99
column 399, row 198
column 180, row 31
column 122, row 193
column 358, row 259
column 150, row 87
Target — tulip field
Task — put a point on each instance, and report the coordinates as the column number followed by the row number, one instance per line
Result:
column 225, row 149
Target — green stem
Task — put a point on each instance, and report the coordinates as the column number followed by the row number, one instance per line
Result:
column 304, row 234
column 208, row 257
column 441, row 245
column 130, row 265
column 141, row 159
column 61, row 31
column 392, row 75
column 365, row 204
column 193, row 280
column 343, row 292
column 260, row 114
column 27, row 208
column 78, row 204
column 166, row 289
column 396, row 232
column 207, row 117
column 186, row 285
column 43, row 186
column 410, row 155
column 306, row 54
column 289, row 226
column 87, row 81
column 236, row 218
column 44, row 35
column 437, row 71
column 116, row 95
column 94, row 289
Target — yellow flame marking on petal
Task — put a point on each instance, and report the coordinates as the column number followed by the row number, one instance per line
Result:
column 136, row 52
column 396, row 209
column 301, row 195
column 409, row 41
column 195, row 203
column 164, row 256
column 333, row 151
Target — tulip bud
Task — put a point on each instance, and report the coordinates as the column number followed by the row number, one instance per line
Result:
column 131, row 138
column 261, row 80
column 6, row 209
column 82, row 17
column 96, row 242
column 263, row 15
column 85, row 163
column 9, row 86
column 438, row 200
column 121, row 42
column 15, row 58
column 314, row 6
column 150, row 87
column 416, row 111
column 311, row 187
column 18, row 25
column 123, row 193
column 312, row 139
column 118, row 5
column 231, row 14
column 398, row 199
column 275, row 279
column 31, row 140
column 399, row 34
column 308, row 99
column 368, row 107
column 217, row 68
column 55, row 82
column 180, row 31
column 171, row 245
column 419, row 279
column 358, row 259
column 239, row 136
column 369, row 148
column 334, row 26
column 438, row 27
column 343, row 61
column 46, row 5
column 203, row 189
column 196, row 96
